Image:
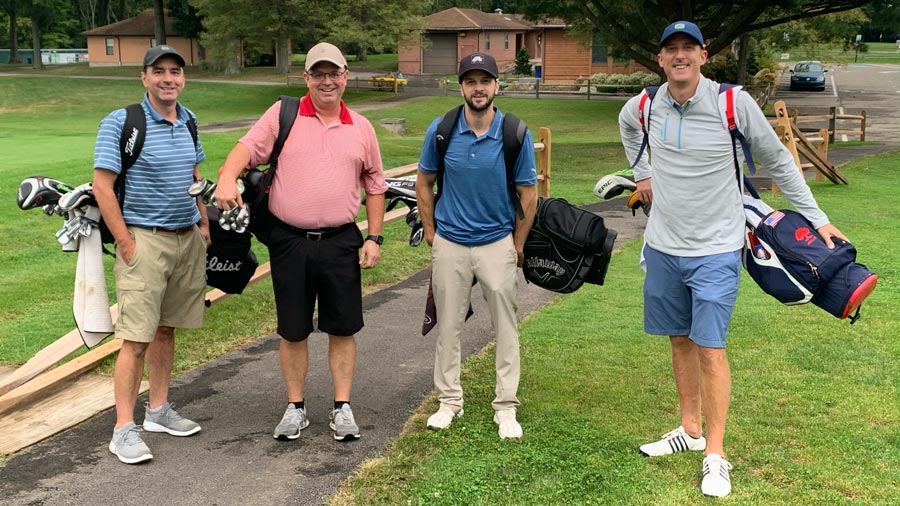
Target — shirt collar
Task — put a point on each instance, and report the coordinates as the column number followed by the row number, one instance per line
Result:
column 156, row 116
column 308, row 109
column 494, row 132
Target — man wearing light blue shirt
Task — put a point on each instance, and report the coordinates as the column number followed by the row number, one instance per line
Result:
column 161, row 234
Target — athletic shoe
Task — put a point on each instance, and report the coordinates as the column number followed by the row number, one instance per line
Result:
column 716, row 479
column 343, row 424
column 442, row 418
column 166, row 419
column 676, row 441
column 128, row 446
column 509, row 427
column 293, row 421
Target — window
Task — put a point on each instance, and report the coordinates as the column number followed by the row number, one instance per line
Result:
column 505, row 41
column 110, row 48
column 599, row 52
column 487, row 41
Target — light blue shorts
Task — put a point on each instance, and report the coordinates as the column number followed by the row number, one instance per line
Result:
column 691, row 296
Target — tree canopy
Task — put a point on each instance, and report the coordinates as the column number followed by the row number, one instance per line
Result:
column 633, row 27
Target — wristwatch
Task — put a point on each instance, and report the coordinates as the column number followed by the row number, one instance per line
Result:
column 378, row 239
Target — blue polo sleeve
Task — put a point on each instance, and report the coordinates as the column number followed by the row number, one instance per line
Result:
column 526, row 172
column 106, row 149
column 428, row 158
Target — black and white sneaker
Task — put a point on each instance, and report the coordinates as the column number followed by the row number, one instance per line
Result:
column 676, row 441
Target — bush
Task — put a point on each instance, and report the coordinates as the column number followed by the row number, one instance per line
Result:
column 599, row 78
column 523, row 63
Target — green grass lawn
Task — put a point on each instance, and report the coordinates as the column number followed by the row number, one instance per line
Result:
column 813, row 418
column 814, row 414
column 878, row 52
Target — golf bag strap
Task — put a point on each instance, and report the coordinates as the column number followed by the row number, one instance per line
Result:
column 513, row 138
column 442, row 141
column 726, row 93
column 644, row 108
column 287, row 114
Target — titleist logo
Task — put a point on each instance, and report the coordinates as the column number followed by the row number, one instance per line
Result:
column 129, row 145
column 214, row 265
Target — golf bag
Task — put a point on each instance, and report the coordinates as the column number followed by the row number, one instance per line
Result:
column 229, row 261
column 789, row 260
column 567, row 246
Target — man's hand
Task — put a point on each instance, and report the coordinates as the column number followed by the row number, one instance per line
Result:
column 369, row 254
column 126, row 249
column 520, row 259
column 227, row 195
column 643, row 189
column 827, row 232
column 204, row 231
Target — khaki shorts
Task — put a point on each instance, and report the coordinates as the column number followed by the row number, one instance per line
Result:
column 164, row 285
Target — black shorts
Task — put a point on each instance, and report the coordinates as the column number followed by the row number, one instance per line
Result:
column 307, row 266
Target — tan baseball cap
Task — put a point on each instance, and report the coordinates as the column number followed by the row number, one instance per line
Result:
column 324, row 51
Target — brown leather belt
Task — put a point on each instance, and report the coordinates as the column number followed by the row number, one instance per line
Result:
column 182, row 230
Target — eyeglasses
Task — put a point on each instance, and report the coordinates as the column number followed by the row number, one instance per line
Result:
column 319, row 76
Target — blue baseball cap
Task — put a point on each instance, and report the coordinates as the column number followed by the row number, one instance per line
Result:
column 685, row 27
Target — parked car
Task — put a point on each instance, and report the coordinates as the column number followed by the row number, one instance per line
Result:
column 808, row 75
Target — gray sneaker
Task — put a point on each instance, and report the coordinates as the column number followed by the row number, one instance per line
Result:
column 166, row 419
column 128, row 446
column 293, row 421
column 343, row 424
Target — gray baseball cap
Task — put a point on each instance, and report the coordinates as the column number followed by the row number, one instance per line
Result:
column 157, row 52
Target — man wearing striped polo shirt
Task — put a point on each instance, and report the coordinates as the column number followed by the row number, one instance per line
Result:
column 161, row 234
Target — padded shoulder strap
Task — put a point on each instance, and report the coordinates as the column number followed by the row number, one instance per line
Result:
column 287, row 114
column 133, row 134
column 729, row 116
column 442, row 135
column 513, row 137
column 192, row 128
column 644, row 104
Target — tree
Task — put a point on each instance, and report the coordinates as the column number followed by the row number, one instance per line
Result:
column 634, row 26
column 523, row 63
column 11, row 7
column 159, row 21
column 374, row 25
column 43, row 13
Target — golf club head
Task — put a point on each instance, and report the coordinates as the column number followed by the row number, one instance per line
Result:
column 39, row 191
column 79, row 197
column 404, row 187
column 392, row 203
column 613, row 185
column 416, row 234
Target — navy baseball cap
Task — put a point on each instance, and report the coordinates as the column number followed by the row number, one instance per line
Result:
column 157, row 52
column 478, row 61
column 685, row 27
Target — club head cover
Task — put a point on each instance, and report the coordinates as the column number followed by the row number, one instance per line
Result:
column 613, row 185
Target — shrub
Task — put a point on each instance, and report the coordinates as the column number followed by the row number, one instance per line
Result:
column 523, row 63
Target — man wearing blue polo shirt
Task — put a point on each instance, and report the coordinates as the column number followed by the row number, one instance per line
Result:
column 161, row 235
column 475, row 234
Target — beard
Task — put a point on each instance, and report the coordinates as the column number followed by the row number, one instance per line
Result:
column 479, row 108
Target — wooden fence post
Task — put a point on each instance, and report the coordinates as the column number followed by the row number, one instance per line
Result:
column 537, row 89
column 862, row 127
column 543, row 163
column 832, row 125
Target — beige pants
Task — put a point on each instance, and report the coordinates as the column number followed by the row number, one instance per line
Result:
column 494, row 266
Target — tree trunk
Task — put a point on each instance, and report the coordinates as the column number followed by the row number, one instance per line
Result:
column 36, row 44
column 159, row 21
column 232, row 57
column 743, row 54
column 13, row 38
column 361, row 53
column 283, row 55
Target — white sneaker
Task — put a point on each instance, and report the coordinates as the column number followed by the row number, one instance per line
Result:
column 716, row 478
column 442, row 418
column 676, row 441
column 509, row 427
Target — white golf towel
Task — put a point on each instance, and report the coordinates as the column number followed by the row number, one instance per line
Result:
column 90, row 303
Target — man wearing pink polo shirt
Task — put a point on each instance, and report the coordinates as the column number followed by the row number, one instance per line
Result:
column 314, row 246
